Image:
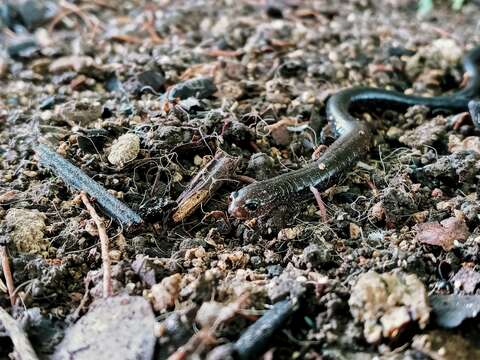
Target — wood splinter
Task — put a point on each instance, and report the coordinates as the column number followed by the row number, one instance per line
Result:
column 204, row 185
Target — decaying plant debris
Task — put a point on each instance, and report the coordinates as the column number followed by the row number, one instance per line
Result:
column 157, row 111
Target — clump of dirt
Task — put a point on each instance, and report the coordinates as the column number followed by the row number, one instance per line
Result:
column 27, row 230
column 387, row 303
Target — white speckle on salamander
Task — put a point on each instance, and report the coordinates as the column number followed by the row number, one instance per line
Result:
column 322, row 166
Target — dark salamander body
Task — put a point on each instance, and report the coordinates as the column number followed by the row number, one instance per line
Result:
column 354, row 138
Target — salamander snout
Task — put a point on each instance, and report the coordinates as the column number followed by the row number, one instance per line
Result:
column 245, row 204
column 236, row 207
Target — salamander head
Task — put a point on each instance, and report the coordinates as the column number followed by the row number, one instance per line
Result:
column 251, row 201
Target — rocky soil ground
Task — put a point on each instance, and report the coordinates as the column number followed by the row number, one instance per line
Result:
column 142, row 95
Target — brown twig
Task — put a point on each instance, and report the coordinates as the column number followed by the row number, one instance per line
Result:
column 83, row 302
column 68, row 9
column 320, row 203
column 129, row 39
column 8, row 274
column 223, row 53
column 244, row 179
column 149, row 25
column 459, row 119
column 102, row 233
column 104, row 4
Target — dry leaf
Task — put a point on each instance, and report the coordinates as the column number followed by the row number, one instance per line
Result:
column 442, row 234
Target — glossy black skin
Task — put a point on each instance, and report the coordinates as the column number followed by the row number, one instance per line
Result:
column 354, row 138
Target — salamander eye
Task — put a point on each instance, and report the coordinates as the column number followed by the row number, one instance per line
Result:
column 252, row 205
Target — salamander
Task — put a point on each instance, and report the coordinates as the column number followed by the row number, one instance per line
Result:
column 353, row 141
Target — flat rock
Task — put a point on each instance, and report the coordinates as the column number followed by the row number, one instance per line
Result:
column 451, row 310
column 200, row 87
column 120, row 328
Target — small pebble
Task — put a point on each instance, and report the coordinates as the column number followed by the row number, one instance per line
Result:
column 124, row 149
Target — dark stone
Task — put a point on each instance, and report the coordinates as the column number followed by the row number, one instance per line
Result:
column 106, row 113
column 47, row 103
column 112, row 84
column 274, row 12
column 44, row 331
column 34, row 13
column 200, row 87
column 292, row 68
column 399, row 51
column 23, row 49
column 92, row 140
column 474, row 108
column 151, row 79
column 274, row 270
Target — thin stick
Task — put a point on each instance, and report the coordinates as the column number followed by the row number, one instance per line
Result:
column 83, row 302
column 245, row 179
column 77, row 179
column 21, row 343
column 102, row 233
column 8, row 274
column 254, row 341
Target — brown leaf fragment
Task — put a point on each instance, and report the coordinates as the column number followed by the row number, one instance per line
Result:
column 8, row 196
column 199, row 70
column 442, row 234
column 355, row 231
column 279, row 130
column 190, row 204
